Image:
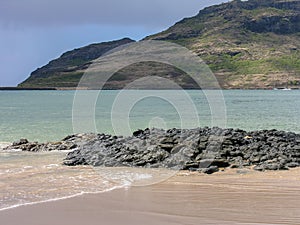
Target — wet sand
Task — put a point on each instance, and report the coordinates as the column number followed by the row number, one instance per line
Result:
column 185, row 199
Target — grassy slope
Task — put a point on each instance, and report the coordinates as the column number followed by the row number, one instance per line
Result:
column 239, row 56
column 67, row 70
column 254, row 44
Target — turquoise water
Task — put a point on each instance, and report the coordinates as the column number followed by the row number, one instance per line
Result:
column 47, row 115
column 28, row 178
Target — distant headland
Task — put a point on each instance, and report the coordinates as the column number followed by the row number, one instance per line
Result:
column 247, row 44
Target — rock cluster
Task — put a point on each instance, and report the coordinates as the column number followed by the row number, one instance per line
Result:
column 202, row 149
column 71, row 142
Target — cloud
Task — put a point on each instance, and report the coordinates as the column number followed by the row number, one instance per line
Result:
column 101, row 12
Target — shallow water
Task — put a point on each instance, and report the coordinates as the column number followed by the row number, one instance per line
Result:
column 47, row 115
column 26, row 178
column 227, row 198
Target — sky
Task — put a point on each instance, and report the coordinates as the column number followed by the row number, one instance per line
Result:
column 33, row 32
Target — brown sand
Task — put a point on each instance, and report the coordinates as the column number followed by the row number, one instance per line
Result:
column 223, row 198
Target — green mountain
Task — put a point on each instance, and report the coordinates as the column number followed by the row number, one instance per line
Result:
column 67, row 70
column 247, row 44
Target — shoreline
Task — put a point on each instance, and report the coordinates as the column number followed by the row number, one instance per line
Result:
column 26, row 89
column 117, row 89
column 187, row 198
column 59, row 199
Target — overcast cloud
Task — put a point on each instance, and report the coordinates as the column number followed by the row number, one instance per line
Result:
column 36, row 31
column 120, row 12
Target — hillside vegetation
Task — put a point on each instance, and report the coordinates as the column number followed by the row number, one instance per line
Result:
column 247, row 44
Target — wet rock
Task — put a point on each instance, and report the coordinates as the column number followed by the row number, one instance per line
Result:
column 273, row 166
column 167, row 147
column 203, row 149
column 20, row 142
column 220, row 163
column 71, row 142
column 260, row 168
column 210, row 170
column 292, row 164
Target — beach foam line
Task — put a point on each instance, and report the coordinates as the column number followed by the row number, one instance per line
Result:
column 4, row 144
column 64, row 198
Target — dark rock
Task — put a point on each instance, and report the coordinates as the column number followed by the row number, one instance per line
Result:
column 273, row 166
column 235, row 166
column 210, row 170
column 205, row 163
column 71, row 142
column 213, row 162
column 292, row 164
column 138, row 133
column 20, row 142
column 204, row 149
column 167, row 147
column 260, row 168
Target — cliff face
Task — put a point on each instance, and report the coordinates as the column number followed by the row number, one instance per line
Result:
column 247, row 44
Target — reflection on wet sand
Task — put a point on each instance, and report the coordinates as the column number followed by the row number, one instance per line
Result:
column 228, row 197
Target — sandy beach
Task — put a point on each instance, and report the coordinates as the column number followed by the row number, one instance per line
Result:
column 231, row 197
column 150, row 112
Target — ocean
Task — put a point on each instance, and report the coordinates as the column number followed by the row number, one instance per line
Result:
column 28, row 178
column 47, row 115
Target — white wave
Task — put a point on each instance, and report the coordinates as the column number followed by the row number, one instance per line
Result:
column 126, row 176
column 10, row 150
column 27, row 167
column 50, row 166
column 4, row 145
column 62, row 198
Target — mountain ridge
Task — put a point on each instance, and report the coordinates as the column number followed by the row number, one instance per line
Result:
column 71, row 64
column 247, row 44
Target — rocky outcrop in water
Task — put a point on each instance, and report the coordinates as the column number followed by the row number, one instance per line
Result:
column 203, row 149
column 71, row 142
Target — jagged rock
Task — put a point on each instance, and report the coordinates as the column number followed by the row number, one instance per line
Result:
column 180, row 149
column 20, row 142
column 210, row 170
column 201, row 149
